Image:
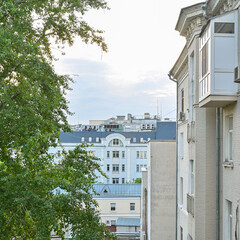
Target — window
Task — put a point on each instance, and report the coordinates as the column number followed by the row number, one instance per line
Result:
column 191, row 178
column 149, row 139
column 113, row 222
column 181, row 100
column 134, row 139
column 90, row 139
column 181, row 145
column 141, row 154
column 229, row 220
column 123, row 154
column 113, row 207
column 108, row 154
column 230, row 138
column 97, row 139
column 181, row 233
column 141, row 139
column 82, row 140
column 137, row 168
column 115, row 141
column 115, row 180
column 181, row 192
column 132, row 206
column 123, row 180
column 115, row 168
column 108, row 167
column 191, row 87
column 223, row 27
column 123, row 167
column 189, row 237
column 138, row 154
column 145, row 154
column 204, row 59
column 115, row 154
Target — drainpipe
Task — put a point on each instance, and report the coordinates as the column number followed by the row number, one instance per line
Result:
column 204, row 8
column 176, row 218
column 218, row 121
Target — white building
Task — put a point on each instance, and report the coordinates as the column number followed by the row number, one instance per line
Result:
column 123, row 153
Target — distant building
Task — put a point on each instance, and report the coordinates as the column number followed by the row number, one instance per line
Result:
column 122, row 150
column 119, row 207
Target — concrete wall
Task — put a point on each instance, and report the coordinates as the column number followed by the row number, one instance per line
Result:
column 161, row 190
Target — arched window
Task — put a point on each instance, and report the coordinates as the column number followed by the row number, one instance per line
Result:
column 116, row 142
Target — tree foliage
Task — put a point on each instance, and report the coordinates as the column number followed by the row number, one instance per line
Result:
column 33, row 111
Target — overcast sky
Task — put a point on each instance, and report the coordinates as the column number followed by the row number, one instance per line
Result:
column 132, row 77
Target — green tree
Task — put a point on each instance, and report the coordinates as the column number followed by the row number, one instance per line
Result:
column 138, row 180
column 38, row 195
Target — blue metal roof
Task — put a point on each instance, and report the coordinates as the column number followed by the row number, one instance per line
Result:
column 117, row 190
column 128, row 222
column 164, row 131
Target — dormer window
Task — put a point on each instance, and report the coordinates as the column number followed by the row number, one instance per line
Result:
column 116, row 142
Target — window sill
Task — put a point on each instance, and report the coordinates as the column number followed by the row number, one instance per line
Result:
column 228, row 164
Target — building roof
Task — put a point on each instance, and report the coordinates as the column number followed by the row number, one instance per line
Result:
column 164, row 131
column 128, row 222
column 117, row 190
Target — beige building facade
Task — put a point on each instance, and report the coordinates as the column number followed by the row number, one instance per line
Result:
column 119, row 208
column 159, row 192
column 207, row 78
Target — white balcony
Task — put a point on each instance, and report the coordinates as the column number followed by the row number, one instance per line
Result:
column 218, row 58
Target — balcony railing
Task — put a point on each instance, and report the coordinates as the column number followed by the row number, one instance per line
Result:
column 190, row 204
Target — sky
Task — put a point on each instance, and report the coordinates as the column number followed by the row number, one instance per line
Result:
column 131, row 77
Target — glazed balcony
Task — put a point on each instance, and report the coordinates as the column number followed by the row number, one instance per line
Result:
column 218, row 59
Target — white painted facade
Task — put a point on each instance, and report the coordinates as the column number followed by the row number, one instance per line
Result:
column 121, row 160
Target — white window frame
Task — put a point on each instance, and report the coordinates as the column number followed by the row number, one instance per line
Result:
column 181, row 145
column 123, row 167
column 229, row 220
column 230, row 138
column 191, row 177
column 108, row 154
column 108, row 167
column 181, row 191
column 123, row 154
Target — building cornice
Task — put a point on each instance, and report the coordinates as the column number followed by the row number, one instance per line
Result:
column 189, row 18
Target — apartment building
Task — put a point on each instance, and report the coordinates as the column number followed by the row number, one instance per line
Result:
column 207, row 77
column 119, row 208
column 122, row 150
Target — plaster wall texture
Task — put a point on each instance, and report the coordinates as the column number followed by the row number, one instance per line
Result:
column 162, row 169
